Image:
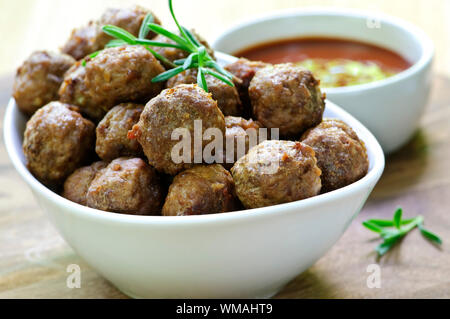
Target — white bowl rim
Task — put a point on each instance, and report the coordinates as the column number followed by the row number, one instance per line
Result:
column 425, row 42
column 230, row 217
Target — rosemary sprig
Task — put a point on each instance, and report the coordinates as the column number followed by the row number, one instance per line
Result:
column 144, row 30
column 393, row 230
column 198, row 56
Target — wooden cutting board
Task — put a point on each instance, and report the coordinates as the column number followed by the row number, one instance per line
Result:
column 34, row 258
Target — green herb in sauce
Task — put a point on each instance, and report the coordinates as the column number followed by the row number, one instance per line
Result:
column 343, row 72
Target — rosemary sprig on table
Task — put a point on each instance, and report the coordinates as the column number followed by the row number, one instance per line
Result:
column 198, row 56
column 393, row 230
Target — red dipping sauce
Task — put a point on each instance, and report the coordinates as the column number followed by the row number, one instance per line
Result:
column 299, row 49
column 328, row 49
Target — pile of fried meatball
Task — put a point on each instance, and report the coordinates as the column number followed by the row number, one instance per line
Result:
column 100, row 132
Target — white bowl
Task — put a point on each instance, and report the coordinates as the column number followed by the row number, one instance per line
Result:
column 251, row 253
column 389, row 108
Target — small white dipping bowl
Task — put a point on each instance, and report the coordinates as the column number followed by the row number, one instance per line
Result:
column 389, row 108
column 244, row 254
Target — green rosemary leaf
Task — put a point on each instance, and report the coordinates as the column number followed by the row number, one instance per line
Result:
column 182, row 61
column 397, row 218
column 394, row 236
column 386, row 232
column 191, row 36
column 372, row 227
column 388, row 223
column 182, row 32
column 179, row 62
column 168, row 74
column 429, row 235
column 189, row 60
column 201, row 55
column 385, row 246
column 161, row 58
column 214, row 65
column 115, row 43
column 218, row 76
column 172, row 36
column 158, row 44
column 119, row 33
column 144, row 30
column 201, row 80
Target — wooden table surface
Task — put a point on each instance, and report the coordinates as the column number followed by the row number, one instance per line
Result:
column 34, row 258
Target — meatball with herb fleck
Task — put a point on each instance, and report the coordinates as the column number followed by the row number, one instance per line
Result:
column 287, row 97
column 112, row 132
column 226, row 96
column 203, row 189
column 57, row 140
column 173, row 118
column 39, row 78
column 341, row 155
column 115, row 75
column 73, row 90
column 276, row 172
column 91, row 38
column 77, row 184
column 128, row 186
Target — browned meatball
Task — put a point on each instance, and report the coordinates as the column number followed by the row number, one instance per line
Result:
column 126, row 185
column 77, row 184
column 91, row 38
column 112, row 132
column 341, row 155
column 226, row 96
column 73, row 90
column 83, row 41
column 241, row 135
column 203, row 189
column 276, row 172
column 287, row 97
column 57, row 140
column 129, row 19
column 173, row 54
column 116, row 75
column 245, row 70
column 39, row 78
column 176, row 108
